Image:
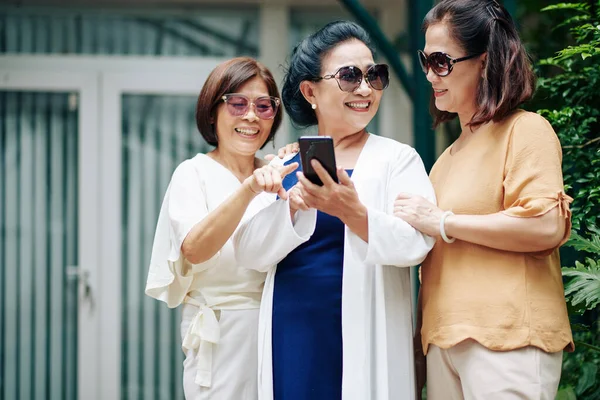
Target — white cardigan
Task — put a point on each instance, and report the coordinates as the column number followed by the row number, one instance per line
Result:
column 376, row 289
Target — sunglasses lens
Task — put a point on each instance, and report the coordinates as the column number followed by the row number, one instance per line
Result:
column 237, row 105
column 439, row 63
column 423, row 62
column 266, row 107
column 378, row 76
column 349, row 78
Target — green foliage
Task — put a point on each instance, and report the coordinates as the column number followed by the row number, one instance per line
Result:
column 566, row 394
column 569, row 98
column 591, row 245
column 584, row 286
column 581, row 7
column 580, row 377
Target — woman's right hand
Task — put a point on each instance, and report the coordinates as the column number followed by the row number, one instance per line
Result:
column 270, row 179
column 288, row 149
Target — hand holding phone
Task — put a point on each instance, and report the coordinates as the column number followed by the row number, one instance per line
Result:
column 319, row 148
column 338, row 196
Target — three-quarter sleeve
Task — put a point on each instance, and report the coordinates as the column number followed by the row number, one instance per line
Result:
column 267, row 238
column 186, row 205
column 533, row 181
column 171, row 275
column 392, row 241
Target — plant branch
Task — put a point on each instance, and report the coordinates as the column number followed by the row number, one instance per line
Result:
column 589, row 346
column 581, row 146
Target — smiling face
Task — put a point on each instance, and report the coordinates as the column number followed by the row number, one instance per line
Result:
column 341, row 113
column 457, row 92
column 243, row 135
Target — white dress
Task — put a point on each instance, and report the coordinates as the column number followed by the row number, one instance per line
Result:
column 220, row 300
column 377, row 324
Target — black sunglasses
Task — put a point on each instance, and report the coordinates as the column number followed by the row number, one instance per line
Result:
column 440, row 63
column 350, row 77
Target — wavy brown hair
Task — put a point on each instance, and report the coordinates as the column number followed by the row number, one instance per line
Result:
column 484, row 26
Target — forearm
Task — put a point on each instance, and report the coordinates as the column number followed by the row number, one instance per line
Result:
column 266, row 238
column 358, row 222
column 208, row 236
column 503, row 232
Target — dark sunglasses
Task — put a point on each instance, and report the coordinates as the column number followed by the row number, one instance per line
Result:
column 265, row 107
column 440, row 63
column 349, row 78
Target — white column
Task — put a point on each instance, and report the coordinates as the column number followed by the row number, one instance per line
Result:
column 396, row 108
column 274, row 48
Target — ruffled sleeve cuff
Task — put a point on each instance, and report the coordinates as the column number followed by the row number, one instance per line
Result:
column 528, row 207
column 170, row 285
column 170, row 275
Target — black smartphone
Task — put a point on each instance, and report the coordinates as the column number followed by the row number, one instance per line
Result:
column 319, row 148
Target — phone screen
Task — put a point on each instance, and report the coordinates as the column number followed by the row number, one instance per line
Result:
column 319, row 148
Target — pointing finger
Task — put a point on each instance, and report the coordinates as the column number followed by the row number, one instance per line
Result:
column 287, row 169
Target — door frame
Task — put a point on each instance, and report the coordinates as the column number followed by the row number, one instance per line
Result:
column 140, row 77
column 14, row 77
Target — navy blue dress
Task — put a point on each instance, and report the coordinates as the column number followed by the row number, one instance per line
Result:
column 307, row 314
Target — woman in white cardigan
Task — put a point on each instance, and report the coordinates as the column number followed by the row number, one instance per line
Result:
column 335, row 318
column 192, row 259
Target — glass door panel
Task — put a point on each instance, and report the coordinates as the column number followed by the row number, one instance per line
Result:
column 158, row 132
column 38, row 244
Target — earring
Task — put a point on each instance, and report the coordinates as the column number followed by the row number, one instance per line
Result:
column 314, row 106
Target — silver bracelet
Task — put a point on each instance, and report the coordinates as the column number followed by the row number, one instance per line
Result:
column 443, row 229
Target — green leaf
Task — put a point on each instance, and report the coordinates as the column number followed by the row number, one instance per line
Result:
column 567, row 6
column 584, row 285
column 588, row 378
column 566, row 394
column 580, row 243
column 585, row 55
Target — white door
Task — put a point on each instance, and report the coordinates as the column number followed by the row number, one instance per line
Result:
column 148, row 119
column 49, row 242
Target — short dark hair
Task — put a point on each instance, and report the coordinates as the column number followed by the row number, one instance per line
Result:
column 306, row 63
column 484, row 26
column 228, row 77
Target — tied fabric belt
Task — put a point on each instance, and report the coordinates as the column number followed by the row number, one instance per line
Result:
column 202, row 334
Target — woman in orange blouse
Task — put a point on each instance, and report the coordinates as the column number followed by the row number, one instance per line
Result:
column 494, row 315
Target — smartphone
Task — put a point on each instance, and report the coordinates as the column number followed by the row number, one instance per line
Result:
column 319, row 148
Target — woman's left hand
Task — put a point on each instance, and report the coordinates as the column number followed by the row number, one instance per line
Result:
column 419, row 212
column 336, row 199
column 288, row 149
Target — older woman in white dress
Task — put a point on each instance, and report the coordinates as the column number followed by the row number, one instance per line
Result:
column 192, row 259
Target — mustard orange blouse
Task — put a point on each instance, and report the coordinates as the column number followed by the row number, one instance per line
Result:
column 504, row 300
